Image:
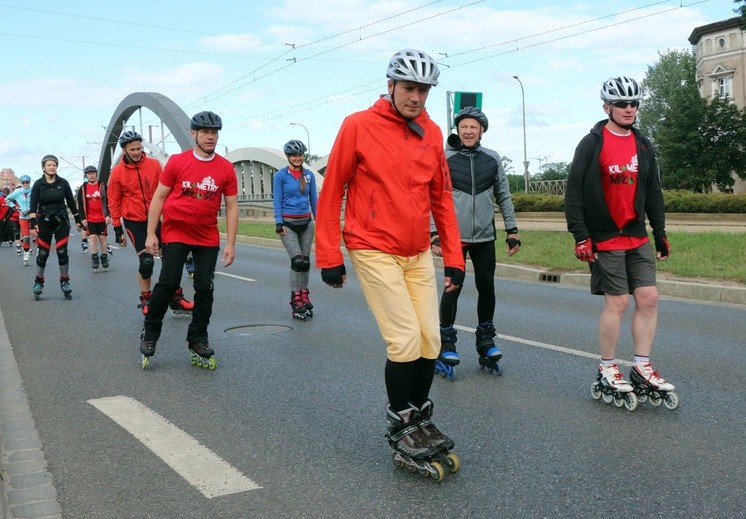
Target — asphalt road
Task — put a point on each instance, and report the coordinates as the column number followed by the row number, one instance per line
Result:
column 298, row 407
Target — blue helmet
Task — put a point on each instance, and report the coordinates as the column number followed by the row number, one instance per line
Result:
column 25, row 178
column 129, row 136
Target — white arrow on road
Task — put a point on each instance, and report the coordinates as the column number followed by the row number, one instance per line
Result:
column 201, row 467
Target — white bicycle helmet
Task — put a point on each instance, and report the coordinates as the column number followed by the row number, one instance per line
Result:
column 620, row 88
column 413, row 65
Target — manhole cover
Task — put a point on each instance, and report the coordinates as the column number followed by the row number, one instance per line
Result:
column 254, row 329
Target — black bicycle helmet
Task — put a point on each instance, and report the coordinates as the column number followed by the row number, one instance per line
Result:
column 471, row 112
column 49, row 157
column 129, row 136
column 206, row 121
column 294, row 148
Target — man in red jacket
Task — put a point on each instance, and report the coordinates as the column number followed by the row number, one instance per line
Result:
column 390, row 161
column 131, row 186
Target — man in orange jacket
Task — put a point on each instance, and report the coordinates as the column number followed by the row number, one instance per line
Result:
column 130, row 188
column 391, row 162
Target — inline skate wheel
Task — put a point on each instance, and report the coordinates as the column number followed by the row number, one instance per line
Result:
column 596, row 391
column 671, row 400
column 436, row 471
column 655, row 399
column 453, row 462
column 145, row 361
column 619, row 400
column 630, row 402
column 608, row 398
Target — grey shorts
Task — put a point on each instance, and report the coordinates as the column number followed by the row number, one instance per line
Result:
column 619, row 272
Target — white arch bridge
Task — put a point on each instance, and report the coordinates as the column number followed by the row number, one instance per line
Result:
column 255, row 167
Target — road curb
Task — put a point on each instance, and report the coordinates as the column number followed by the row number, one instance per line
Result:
column 667, row 288
column 26, row 489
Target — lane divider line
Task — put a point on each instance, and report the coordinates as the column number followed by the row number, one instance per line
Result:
column 198, row 465
column 226, row 274
column 546, row 346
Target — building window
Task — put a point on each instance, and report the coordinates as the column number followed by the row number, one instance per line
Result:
column 724, row 87
column 721, row 43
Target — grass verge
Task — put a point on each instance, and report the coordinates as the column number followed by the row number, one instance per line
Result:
column 712, row 255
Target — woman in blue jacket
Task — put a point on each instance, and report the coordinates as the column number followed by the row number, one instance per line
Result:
column 294, row 197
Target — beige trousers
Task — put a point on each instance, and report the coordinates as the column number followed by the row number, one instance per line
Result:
column 402, row 294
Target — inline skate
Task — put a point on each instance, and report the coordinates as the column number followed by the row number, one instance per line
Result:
column 105, row 262
column 201, row 355
column 94, row 262
column 436, row 438
column 147, row 349
column 305, row 297
column 611, row 386
column 410, row 445
column 179, row 305
column 649, row 386
column 38, row 287
column 145, row 296
column 18, row 250
column 299, row 310
column 67, row 291
column 489, row 352
column 26, row 255
column 445, row 365
column 190, row 266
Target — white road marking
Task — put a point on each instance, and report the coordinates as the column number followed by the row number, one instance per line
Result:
column 546, row 346
column 197, row 464
column 234, row 276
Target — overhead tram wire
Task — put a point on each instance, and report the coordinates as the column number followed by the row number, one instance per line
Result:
column 209, row 97
column 545, row 42
column 281, row 111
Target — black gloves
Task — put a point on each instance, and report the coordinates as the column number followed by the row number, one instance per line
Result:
column 278, row 228
column 333, row 276
column 661, row 245
column 457, row 275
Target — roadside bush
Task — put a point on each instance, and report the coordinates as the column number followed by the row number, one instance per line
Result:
column 677, row 201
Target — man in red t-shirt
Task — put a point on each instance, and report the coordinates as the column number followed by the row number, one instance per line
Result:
column 189, row 196
column 612, row 186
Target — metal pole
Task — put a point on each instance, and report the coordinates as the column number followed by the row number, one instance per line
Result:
column 308, row 136
column 525, row 154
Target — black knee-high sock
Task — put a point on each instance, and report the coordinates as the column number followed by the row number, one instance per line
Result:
column 422, row 379
column 399, row 377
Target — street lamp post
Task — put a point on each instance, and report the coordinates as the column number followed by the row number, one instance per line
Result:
column 308, row 136
column 525, row 154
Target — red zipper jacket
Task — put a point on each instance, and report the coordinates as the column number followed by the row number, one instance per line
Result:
column 396, row 174
column 131, row 188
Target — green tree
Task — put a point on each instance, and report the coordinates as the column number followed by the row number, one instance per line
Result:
column 553, row 171
column 698, row 142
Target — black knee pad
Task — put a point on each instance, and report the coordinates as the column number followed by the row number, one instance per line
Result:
column 300, row 264
column 62, row 257
column 146, row 265
column 42, row 256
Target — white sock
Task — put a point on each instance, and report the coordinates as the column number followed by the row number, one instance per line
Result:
column 639, row 360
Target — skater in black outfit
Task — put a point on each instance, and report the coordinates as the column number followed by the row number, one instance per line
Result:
column 51, row 196
column 479, row 182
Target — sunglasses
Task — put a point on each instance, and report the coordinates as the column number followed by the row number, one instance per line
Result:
column 625, row 104
column 25, row 182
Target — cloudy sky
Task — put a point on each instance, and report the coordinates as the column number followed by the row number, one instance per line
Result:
column 262, row 65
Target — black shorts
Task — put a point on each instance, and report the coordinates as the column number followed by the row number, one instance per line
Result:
column 97, row 228
column 619, row 272
column 138, row 233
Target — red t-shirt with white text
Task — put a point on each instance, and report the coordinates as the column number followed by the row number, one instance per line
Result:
column 190, row 212
column 94, row 207
column 619, row 169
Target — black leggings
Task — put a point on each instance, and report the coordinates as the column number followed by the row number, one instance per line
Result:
column 57, row 228
column 483, row 260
